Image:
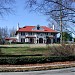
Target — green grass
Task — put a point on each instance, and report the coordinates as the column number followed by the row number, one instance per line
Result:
column 23, row 51
column 49, row 50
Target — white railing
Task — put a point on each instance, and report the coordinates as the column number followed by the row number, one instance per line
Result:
column 30, row 36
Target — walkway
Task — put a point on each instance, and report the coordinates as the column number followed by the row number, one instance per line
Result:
column 32, row 67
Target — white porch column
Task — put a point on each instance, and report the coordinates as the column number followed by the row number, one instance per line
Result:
column 28, row 40
column 38, row 41
column 43, row 41
column 51, row 41
column 35, row 40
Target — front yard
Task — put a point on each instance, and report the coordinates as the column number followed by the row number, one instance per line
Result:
column 23, row 54
column 33, row 49
column 23, row 50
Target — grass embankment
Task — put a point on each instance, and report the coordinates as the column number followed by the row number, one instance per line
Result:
column 23, row 51
column 49, row 50
column 24, row 55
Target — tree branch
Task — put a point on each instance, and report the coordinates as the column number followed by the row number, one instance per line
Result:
column 56, row 2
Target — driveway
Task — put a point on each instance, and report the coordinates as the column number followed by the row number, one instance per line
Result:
column 67, row 71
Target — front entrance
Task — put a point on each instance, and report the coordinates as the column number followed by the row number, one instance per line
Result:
column 40, row 40
column 48, row 40
column 31, row 40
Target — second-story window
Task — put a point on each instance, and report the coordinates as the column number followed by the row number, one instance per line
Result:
column 46, row 33
column 30, row 33
column 22, row 33
column 38, row 33
column 41, row 34
column 51, row 33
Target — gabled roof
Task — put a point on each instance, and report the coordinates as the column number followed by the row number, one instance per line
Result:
column 30, row 29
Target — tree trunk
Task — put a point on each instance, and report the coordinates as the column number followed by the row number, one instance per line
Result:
column 61, row 39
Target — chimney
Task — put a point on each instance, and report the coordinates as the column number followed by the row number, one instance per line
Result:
column 18, row 26
column 53, row 27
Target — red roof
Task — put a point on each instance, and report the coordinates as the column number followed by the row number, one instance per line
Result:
column 30, row 29
column 10, row 38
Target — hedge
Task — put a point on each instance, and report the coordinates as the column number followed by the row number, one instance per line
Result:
column 33, row 60
column 21, row 55
column 19, row 42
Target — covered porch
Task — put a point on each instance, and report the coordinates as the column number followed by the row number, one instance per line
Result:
column 31, row 39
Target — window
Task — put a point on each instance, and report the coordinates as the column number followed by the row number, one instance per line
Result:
column 46, row 33
column 41, row 34
column 38, row 27
column 22, row 33
column 38, row 33
column 51, row 33
column 22, row 40
column 30, row 33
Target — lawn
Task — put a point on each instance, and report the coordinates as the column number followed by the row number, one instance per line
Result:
column 23, row 50
column 22, row 54
column 35, row 49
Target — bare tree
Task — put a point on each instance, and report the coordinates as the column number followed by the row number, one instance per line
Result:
column 4, row 32
column 6, row 6
column 62, row 11
column 12, row 32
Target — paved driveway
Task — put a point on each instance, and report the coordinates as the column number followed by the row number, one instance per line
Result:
column 68, row 71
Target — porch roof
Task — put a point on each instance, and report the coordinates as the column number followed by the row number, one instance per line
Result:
column 30, row 37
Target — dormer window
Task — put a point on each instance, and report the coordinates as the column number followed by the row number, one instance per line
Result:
column 38, row 27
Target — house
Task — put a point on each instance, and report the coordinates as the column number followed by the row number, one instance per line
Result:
column 11, row 39
column 36, row 34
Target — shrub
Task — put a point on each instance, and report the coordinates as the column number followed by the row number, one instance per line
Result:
column 17, row 43
column 31, row 60
column 61, row 50
column 1, row 51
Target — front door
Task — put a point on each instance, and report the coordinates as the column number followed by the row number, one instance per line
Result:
column 40, row 40
column 31, row 40
column 48, row 40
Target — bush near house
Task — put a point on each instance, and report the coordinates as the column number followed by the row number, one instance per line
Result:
column 19, row 42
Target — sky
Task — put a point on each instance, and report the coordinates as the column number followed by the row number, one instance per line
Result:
column 23, row 17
